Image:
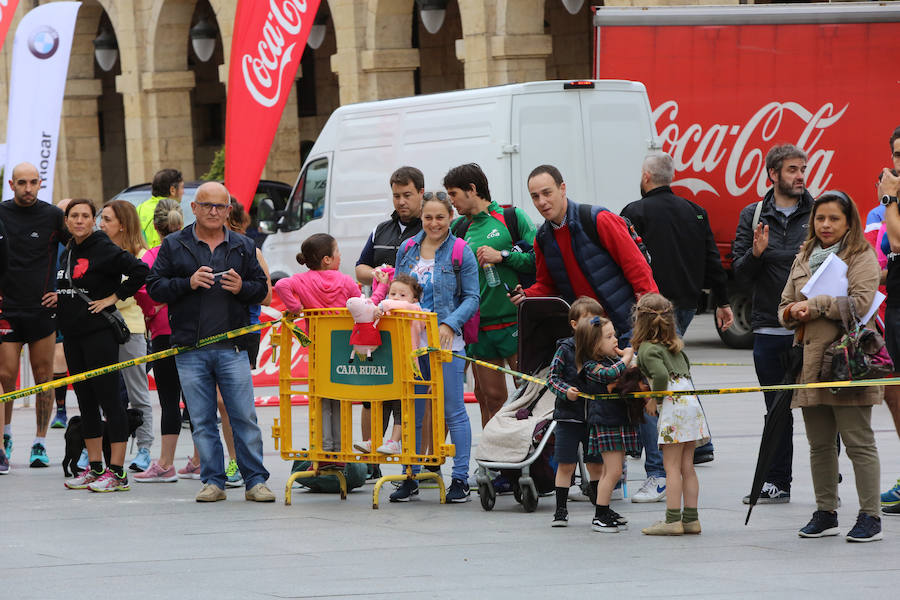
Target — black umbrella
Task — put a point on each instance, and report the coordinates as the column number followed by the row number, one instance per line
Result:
column 777, row 419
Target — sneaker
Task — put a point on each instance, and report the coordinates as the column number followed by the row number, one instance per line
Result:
column 60, row 420
column 374, row 472
column 888, row 498
column 408, row 490
column 663, row 528
column 156, row 474
column 822, row 524
column 389, row 447
column 770, row 494
column 891, row 511
column 110, row 482
column 867, row 529
column 233, row 477
column 502, row 485
column 7, row 444
column 605, row 524
column 576, row 494
column 141, row 460
column 4, row 463
column 458, row 492
column 704, row 457
column 364, row 447
column 210, row 493
column 259, row 493
column 81, row 482
column 653, row 490
column 39, row 458
column 83, row 460
column 190, row 471
column 560, row 518
column 691, row 527
column 623, row 521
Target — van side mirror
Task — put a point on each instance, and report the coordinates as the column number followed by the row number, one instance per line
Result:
column 266, row 215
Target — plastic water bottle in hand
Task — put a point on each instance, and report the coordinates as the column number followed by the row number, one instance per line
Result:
column 491, row 275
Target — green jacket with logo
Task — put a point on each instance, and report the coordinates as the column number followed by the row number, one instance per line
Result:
column 488, row 229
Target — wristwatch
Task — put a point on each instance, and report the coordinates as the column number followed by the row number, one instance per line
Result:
column 504, row 254
column 886, row 199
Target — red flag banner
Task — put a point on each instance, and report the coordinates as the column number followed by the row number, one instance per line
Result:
column 7, row 11
column 269, row 38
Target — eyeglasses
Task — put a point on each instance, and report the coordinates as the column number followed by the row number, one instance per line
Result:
column 442, row 196
column 212, row 206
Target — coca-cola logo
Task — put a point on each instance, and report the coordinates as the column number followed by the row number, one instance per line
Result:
column 741, row 149
column 263, row 72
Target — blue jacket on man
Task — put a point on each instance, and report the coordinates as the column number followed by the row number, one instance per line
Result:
column 169, row 283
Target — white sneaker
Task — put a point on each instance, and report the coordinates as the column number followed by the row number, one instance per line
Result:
column 364, row 447
column 653, row 490
column 389, row 447
column 618, row 492
column 576, row 495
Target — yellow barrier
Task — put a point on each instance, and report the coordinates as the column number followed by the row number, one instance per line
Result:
column 389, row 375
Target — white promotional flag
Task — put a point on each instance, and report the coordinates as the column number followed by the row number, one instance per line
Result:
column 40, row 61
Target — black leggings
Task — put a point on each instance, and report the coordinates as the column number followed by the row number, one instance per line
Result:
column 168, row 387
column 85, row 353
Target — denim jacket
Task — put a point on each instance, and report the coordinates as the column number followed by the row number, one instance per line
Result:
column 453, row 306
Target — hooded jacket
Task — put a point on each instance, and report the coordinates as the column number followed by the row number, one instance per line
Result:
column 316, row 289
column 96, row 267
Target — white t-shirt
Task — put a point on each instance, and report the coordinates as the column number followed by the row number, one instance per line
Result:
column 424, row 272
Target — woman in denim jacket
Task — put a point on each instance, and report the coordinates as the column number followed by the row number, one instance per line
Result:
column 455, row 300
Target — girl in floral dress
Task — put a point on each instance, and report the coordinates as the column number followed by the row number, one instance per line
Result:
column 682, row 424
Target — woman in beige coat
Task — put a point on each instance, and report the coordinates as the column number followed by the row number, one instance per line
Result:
column 834, row 228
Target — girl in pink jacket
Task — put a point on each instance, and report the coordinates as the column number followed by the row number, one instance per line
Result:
column 323, row 286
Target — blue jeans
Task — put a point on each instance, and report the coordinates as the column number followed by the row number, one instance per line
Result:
column 767, row 356
column 200, row 371
column 455, row 415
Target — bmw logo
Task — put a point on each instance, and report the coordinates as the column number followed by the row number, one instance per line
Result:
column 43, row 42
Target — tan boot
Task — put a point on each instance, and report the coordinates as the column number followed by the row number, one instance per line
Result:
column 210, row 493
column 663, row 528
column 260, row 493
column 691, row 527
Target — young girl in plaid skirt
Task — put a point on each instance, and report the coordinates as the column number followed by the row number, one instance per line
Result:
column 611, row 435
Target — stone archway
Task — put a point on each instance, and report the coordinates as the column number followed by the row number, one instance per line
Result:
column 572, row 41
column 440, row 70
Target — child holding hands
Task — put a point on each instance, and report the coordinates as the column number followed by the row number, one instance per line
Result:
column 682, row 424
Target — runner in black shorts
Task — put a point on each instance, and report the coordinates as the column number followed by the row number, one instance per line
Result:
column 35, row 230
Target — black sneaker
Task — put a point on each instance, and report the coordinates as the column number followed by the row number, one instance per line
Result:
column 458, row 492
column 621, row 521
column 893, row 510
column 867, row 529
column 408, row 490
column 560, row 518
column 605, row 524
column 822, row 524
column 770, row 494
column 704, row 457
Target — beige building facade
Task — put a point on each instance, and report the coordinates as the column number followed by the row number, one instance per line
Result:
column 161, row 106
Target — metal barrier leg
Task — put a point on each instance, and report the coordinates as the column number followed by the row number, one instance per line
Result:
column 290, row 484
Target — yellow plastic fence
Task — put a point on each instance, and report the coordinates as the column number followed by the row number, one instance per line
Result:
column 389, row 374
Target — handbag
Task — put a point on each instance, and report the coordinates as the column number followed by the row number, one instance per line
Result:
column 113, row 317
column 859, row 353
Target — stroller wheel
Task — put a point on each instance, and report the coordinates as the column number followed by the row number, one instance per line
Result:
column 529, row 499
column 517, row 491
column 487, row 496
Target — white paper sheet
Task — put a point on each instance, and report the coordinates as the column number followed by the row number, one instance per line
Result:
column 879, row 298
column 829, row 280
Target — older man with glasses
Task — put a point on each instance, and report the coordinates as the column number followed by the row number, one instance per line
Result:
column 209, row 276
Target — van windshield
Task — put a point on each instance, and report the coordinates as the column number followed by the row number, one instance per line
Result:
column 308, row 199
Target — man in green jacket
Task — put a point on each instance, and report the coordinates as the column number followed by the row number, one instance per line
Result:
column 505, row 248
column 167, row 183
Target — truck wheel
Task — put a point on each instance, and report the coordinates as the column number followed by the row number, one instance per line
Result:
column 739, row 335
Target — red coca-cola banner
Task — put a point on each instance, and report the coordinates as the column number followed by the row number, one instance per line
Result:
column 269, row 38
column 723, row 95
column 7, row 10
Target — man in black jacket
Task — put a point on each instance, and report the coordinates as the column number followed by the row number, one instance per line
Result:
column 684, row 260
column 407, row 194
column 209, row 276
column 769, row 235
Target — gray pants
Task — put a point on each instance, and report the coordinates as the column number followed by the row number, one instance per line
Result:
column 331, row 425
column 823, row 423
column 136, row 384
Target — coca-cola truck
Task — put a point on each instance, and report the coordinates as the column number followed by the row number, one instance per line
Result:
column 727, row 83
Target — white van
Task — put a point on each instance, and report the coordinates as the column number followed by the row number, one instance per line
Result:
column 596, row 132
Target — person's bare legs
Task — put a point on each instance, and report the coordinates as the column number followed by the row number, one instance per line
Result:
column 226, row 427
column 10, row 352
column 612, row 463
column 167, row 452
column 41, row 358
column 673, row 458
column 365, row 423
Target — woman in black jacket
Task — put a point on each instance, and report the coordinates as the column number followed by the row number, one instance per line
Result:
column 93, row 275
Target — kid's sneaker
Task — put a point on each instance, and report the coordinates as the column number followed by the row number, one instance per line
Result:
column 389, row 447
column 605, row 524
column 110, row 482
column 364, row 447
column 560, row 518
column 81, row 482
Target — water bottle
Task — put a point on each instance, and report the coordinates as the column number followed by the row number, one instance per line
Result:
column 491, row 275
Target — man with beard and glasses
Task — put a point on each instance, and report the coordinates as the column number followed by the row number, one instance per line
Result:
column 769, row 235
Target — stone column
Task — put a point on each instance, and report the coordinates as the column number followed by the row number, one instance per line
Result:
column 79, row 171
column 503, row 41
column 165, row 111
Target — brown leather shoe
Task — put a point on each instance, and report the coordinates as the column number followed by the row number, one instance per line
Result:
column 210, row 493
column 691, row 527
column 260, row 493
column 663, row 528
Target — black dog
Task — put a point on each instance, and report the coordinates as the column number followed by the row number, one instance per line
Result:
column 75, row 440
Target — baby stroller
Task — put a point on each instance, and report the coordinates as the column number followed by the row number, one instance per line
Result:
column 517, row 441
